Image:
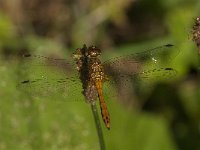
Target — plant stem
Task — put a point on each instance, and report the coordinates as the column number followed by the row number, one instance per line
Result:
column 98, row 126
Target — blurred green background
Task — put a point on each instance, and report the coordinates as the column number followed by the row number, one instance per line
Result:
column 165, row 117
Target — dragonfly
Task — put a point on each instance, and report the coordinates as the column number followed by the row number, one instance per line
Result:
column 91, row 74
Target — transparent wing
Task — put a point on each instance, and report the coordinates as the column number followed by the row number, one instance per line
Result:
column 155, row 75
column 146, row 77
column 70, row 89
column 137, row 62
column 124, row 86
column 34, row 60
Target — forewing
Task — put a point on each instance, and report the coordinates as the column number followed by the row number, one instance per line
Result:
column 68, row 89
column 33, row 60
column 137, row 62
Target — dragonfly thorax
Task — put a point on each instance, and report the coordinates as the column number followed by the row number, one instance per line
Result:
column 96, row 70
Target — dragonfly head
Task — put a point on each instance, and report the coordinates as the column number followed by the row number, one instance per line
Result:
column 93, row 51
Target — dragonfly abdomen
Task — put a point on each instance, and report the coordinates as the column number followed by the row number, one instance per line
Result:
column 90, row 92
column 97, row 76
column 104, row 110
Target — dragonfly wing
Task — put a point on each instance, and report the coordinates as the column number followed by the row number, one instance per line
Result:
column 147, row 76
column 67, row 88
column 45, row 69
column 137, row 62
column 125, row 87
column 36, row 61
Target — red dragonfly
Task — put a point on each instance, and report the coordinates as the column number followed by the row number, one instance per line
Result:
column 91, row 74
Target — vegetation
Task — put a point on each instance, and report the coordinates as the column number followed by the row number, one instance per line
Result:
column 159, row 115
